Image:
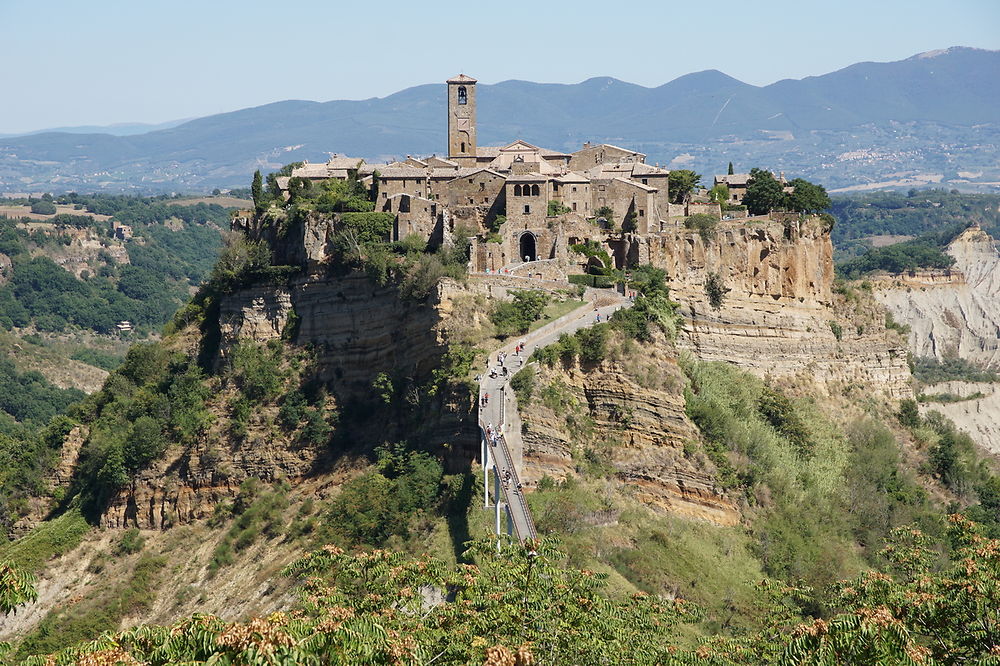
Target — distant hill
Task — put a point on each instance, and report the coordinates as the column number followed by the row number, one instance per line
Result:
column 932, row 118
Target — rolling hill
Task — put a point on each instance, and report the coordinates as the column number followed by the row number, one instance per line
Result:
column 932, row 118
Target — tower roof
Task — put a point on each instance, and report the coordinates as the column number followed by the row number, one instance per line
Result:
column 461, row 78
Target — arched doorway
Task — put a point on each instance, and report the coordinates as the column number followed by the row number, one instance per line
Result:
column 527, row 247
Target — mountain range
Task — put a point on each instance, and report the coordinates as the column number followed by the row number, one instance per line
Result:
column 932, row 118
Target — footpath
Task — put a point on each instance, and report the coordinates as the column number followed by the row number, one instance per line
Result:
column 503, row 447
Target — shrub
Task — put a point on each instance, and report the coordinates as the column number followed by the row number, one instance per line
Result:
column 131, row 542
column 523, row 383
column 593, row 343
column 556, row 208
column 704, row 224
column 515, row 317
column 715, row 290
column 838, row 330
column 909, row 414
column 43, row 208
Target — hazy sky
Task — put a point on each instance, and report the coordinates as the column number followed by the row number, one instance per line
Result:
column 73, row 62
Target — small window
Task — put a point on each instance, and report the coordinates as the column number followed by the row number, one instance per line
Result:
column 642, row 213
column 574, row 206
column 463, row 98
column 645, row 181
column 470, row 181
column 534, row 190
column 574, row 188
column 517, row 190
column 482, row 186
column 527, row 209
column 486, row 200
column 600, row 187
column 463, row 148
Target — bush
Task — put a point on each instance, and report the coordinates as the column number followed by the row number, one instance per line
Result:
column 515, row 317
column 838, row 330
column 131, row 542
column 593, row 342
column 523, row 383
column 556, row 208
column 909, row 414
column 43, row 208
column 704, row 224
column 715, row 290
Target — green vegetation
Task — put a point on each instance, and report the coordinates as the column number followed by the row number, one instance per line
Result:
column 719, row 194
column 29, row 398
column 929, row 370
column 915, row 213
column 146, row 291
column 766, row 193
column 934, row 604
column 50, row 539
column 680, row 184
column 388, row 502
column 515, row 317
column 715, row 290
column 523, row 383
column 926, row 251
column 832, row 497
column 556, row 208
column 103, row 611
column 704, row 224
column 257, row 512
column 43, row 208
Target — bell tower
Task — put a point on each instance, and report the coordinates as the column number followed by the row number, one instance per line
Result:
column 462, row 120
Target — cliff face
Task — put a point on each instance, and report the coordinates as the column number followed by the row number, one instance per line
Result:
column 954, row 312
column 777, row 311
column 352, row 330
column 627, row 415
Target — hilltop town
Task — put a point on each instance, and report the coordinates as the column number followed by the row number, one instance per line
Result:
column 526, row 206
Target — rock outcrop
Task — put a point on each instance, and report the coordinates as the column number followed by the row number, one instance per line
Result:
column 779, row 315
column 954, row 312
column 627, row 414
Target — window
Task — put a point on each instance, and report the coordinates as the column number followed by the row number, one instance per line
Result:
column 555, row 188
column 534, row 190
column 527, row 209
column 574, row 206
column 642, row 213
column 470, row 181
column 463, row 148
column 517, row 190
column 482, row 186
column 463, row 98
column 645, row 181
column 574, row 188
column 600, row 187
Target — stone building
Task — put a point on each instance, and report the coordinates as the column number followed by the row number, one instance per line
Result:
column 522, row 202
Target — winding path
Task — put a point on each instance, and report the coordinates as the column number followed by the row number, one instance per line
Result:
column 502, row 447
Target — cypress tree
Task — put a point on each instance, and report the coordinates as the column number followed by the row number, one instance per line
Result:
column 257, row 191
column 730, row 168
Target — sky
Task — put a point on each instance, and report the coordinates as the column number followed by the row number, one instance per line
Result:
column 101, row 62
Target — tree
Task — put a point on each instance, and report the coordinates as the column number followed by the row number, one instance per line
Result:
column 557, row 208
column 680, row 183
column 43, row 207
column 716, row 290
column 807, row 197
column 719, row 194
column 764, row 192
column 704, row 223
column 257, row 191
column 730, row 172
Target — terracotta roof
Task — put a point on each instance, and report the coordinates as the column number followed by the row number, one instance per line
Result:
column 461, row 78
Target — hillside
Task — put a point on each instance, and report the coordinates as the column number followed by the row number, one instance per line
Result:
column 928, row 119
column 740, row 417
